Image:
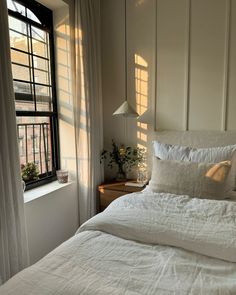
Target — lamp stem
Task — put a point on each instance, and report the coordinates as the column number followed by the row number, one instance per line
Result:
column 126, row 109
column 126, row 66
column 155, row 98
column 125, row 125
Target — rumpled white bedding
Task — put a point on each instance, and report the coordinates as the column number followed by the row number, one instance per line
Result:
column 112, row 253
column 204, row 226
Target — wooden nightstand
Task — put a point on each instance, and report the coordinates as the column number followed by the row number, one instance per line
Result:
column 111, row 191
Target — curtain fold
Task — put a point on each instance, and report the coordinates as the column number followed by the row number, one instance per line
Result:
column 87, row 102
column 13, row 242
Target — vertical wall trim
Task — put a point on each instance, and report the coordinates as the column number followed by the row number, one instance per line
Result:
column 155, row 74
column 226, row 67
column 187, row 61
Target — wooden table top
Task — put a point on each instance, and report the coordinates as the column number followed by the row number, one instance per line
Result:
column 120, row 186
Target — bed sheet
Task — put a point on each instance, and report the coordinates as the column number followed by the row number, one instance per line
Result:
column 98, row 262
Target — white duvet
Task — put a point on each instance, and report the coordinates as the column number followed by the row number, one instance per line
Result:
column 204, row 226
column 142, row 243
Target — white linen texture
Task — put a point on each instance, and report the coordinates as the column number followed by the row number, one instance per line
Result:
column 127, row 250
column 201, row 180
column 204, row 226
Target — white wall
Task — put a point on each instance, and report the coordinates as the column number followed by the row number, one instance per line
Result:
column 197, row 42
column 195, row 60
column 50, row 220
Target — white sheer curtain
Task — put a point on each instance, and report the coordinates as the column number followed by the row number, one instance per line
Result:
column 13, row 244
column 87, row 102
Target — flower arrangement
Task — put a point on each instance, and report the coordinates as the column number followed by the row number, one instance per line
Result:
column 29, row 171
column 124, row 157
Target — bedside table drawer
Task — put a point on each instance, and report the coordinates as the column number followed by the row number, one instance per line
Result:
column 108, row 196
column 111, row 191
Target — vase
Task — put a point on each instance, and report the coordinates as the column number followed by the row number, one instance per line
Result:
column 142, row 175
column 121, row 175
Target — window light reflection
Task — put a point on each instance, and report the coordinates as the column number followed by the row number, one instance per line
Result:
column 141, row 89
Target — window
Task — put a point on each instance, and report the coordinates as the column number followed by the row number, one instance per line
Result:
column 31, row 41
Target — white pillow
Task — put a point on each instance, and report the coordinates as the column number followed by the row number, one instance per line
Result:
column 201, row 180
column 207, row 155
column 183, row 153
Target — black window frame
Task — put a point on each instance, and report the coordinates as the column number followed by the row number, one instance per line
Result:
column 45, row 16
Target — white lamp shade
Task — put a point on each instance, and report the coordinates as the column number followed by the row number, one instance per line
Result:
column 126, row 110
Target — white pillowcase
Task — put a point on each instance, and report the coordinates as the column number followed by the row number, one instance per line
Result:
column 183, row 153
column 199, row 155
column 201, row 180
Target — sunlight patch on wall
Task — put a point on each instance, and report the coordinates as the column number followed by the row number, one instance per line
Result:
column 63, row 62
column 64, row 89
column 141, row 89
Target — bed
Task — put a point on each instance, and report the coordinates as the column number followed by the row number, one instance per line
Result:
column 143, row 243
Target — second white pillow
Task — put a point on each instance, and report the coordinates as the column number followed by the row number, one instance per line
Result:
column 166, row 151
column 201, row 180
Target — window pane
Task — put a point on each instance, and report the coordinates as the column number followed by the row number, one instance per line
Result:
column 32, row 16
column 43, row 98
column 34, row 134
column 43, row 91
column 17, row 25
column 40, row 48
column 19, row 57
column 18, row 41
column 12, row 5
column 23, row 96
column 23, row 105
column 39, row 34
column 41, row 77
column 40, row 39
column 22, row 87
column 41, row 63
column 20, row 72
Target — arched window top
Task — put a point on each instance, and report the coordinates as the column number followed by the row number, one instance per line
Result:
column 17, row 7
column 31, row 11
column 32, row 16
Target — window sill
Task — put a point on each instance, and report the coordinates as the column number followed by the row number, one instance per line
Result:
column 43, row 190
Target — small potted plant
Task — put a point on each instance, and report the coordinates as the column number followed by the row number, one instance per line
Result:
column 123, row 157
column 29, row 172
